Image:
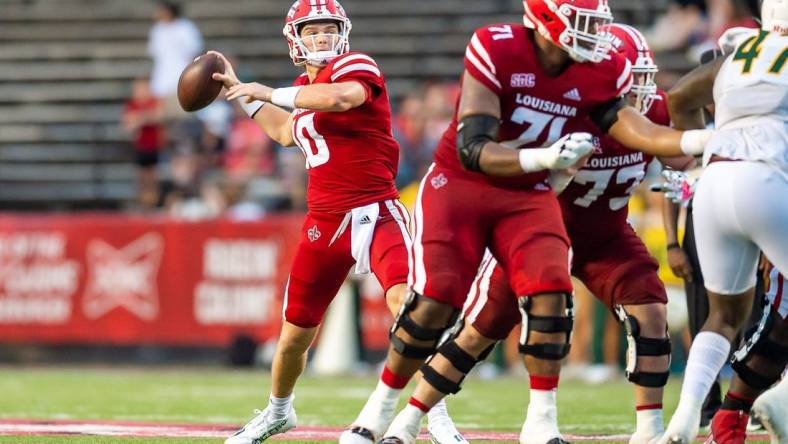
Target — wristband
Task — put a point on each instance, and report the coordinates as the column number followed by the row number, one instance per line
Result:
column 672, row 245
column 285, row 97
column 250, row 108
column 693, row 142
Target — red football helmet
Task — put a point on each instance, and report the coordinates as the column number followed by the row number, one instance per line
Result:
column 573, row 25
column 630, row 43
column 305, row 11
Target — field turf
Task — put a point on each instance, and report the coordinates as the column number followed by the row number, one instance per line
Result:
column 223, row 396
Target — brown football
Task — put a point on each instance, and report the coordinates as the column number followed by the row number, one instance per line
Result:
column 196, row 88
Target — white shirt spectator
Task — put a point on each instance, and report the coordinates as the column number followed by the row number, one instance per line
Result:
column 172, row 45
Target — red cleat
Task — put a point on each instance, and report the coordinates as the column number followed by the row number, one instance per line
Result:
column 728, row 427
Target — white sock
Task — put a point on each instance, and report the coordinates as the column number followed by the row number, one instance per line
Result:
column 438, row 411
column 386, row 393
column 649, row 422
column 707, row 355
column 541, row 420
column 280, row 407
column 542, row 402
column 412, row 413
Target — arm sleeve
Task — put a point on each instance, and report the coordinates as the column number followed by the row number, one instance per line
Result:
column 605, row 115
column 360, row 68
column 480, row 61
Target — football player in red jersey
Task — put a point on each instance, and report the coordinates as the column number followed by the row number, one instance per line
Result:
column 608, row 257
column 341, row 120
column 527, row 86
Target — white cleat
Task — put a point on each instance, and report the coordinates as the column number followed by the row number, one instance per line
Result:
column 371, row 422
column 642, row 438
column 771, row 409
column 404, row 429
column 262, row 427
column 357, row 435
column 443, row 431
column 683, row 428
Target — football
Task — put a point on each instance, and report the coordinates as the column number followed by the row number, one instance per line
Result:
column 196, row 88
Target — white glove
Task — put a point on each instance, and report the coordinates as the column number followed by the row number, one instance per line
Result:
column 564, row 153
column 677, row 187
column 560, row 179
column 734, row 37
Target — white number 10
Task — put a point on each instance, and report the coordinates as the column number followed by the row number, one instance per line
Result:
column 312, row 143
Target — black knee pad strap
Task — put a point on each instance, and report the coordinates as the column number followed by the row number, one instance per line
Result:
column 459, row 359
column 418, row 332
column 753, row 378
column 410, row 351
column 653, row 346
column 440, row 382
column 552, row 352
column 546, row 324
column 757, row 343
column 641, row 346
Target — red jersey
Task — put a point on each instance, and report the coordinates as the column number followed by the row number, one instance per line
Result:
column 149, row 137
column 535, row 107
column 596, row 201
column 351, row 156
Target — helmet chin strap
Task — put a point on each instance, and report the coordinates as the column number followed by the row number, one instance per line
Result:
column 320, row 59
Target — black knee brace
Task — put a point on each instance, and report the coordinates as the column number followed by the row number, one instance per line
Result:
column 757, row 342
column 640, row 346
column 418, row 332
column 460, row 359
column 546, row 324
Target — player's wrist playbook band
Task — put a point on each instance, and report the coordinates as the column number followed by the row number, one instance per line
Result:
column 250, row 108
column 285, row 97
column 693, row 142
column 672, row 245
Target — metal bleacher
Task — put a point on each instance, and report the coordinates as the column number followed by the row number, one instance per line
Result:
column 66, row 68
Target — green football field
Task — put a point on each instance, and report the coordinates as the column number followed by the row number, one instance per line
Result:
column 227, row 397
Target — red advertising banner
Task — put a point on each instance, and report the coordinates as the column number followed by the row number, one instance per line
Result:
column 118, row 279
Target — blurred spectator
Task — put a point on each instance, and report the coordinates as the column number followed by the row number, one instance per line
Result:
column 173, row 42
column 239, row 205
column 726, row 14
column 580, row 362
column 293, row 177
column 419, row 125
column 142, row 117
column 682, row 23
column 250, row 152
column 216, row 119
column 182, row 189
column 408, row 127
column 698, row 24
column 439, row 102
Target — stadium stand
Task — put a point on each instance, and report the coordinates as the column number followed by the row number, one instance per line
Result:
column 66, row 67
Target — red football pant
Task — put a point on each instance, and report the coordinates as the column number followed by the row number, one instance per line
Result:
column 620, row 271
column 319, row 269
column 456, row 218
